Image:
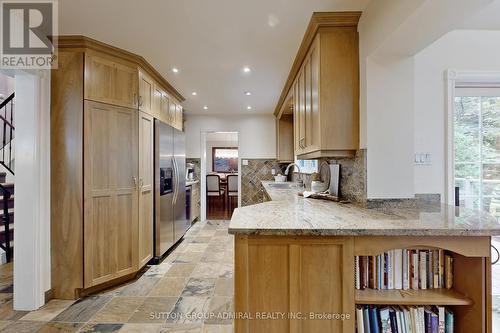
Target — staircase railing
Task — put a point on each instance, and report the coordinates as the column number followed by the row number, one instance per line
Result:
column 7, row 127
column 6, row 222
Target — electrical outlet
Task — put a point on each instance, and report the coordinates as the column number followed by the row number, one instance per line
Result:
column 244, row 162
column 273, row 172
column 423, row 159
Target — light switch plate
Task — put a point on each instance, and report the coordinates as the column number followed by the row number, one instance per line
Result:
column 244, row 162
column 273, row 172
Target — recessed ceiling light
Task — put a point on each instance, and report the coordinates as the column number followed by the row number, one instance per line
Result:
column 194, row 93
column 248, row 93
column 246, row 69
column 249, row 107
column 175, row 70
column 205, row 107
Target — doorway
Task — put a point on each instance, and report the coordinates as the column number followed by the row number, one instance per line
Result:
column 220, row 174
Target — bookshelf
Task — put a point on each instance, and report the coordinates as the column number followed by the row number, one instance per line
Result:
column 411, row 297
column 469, row 297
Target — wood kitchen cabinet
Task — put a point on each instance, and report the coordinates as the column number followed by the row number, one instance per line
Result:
column 294, row 275
column 109, row 192
column 195, row 202
column 146, row 93
column 284, row 139
column 103, row 104
column 110, row 80
column 146, row 187
column 324, row 82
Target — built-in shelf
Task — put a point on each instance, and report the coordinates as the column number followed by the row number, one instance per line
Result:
column 412, row 297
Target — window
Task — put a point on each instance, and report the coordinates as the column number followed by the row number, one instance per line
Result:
column 307, row 166
column 476, row 122
column 225, row 160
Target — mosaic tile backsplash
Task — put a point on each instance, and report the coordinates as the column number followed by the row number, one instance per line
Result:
column 252, row 174
column 352, row 176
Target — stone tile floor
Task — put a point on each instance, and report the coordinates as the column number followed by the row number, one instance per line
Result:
column 190, row 291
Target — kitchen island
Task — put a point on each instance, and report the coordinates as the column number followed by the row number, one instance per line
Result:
column 295, row 261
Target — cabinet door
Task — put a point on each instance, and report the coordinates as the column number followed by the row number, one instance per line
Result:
column 295, row 276
column 146, row 93
column 302, row 110
column 157, row 101
column 145, row 188
column 178, row 117
column 314, row 120
column 171, row 112
column 109, row 81
column 110, row 192
column 307, row 142
column 296, row 134
column 166, row 105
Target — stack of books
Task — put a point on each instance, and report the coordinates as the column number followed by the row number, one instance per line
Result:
column 405, row 269
column 396, row 319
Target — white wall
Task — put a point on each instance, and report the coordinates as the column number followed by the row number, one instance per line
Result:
column 392, row 33
column 256, row 133
column 461, row 50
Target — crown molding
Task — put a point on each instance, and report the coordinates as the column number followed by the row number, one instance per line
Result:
column 82, row 43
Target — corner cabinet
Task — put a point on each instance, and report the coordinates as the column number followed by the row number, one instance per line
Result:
column 103, row 103
column 324, row 88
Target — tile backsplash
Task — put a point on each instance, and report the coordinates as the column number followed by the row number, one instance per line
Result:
column 252, row 174
column 352, row 176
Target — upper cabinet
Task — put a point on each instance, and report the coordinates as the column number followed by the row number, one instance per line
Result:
column 110, row 80
column 146, row 93
column 324, row 85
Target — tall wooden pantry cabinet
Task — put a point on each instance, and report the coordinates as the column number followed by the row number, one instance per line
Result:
column 104, row 101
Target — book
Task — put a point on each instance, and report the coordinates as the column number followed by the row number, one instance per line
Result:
column 441, row 319
column 390, row 270
column 448, row 271
column 449, row 322
column 423, row 270
column 398, row 269
column 374, row 320
column 441, row 269
column 406, row 281
column 430, row 275
column 356, row 273
column 366, row 319
column 394, row 324
column 385, row 320
column 359, row 320
column 415, row 268
column 435, row 269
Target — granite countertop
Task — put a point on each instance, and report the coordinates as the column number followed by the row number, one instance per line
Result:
column 289, row 214
column 192, row 182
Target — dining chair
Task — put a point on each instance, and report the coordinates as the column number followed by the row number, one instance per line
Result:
column 232, row 193
column 215, row 193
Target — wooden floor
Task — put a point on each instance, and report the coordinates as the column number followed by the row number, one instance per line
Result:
column 218, row 209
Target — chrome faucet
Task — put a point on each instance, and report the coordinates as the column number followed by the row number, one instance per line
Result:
column 300, row 181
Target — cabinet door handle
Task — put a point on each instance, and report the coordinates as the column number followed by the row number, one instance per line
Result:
column 135, row 181
column 135, row 99
column 141, row 183
column 140, row 101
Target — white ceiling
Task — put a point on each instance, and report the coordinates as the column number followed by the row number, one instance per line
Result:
column 210, row 41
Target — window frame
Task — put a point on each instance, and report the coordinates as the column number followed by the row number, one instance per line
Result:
column 460, row 79
column 226, row 148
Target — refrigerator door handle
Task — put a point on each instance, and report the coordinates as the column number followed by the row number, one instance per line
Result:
column 175, row 183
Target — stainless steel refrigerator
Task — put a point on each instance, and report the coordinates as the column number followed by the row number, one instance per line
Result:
column 170, row 188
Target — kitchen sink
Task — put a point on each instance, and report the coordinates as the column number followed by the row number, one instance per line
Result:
column 282, row 185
